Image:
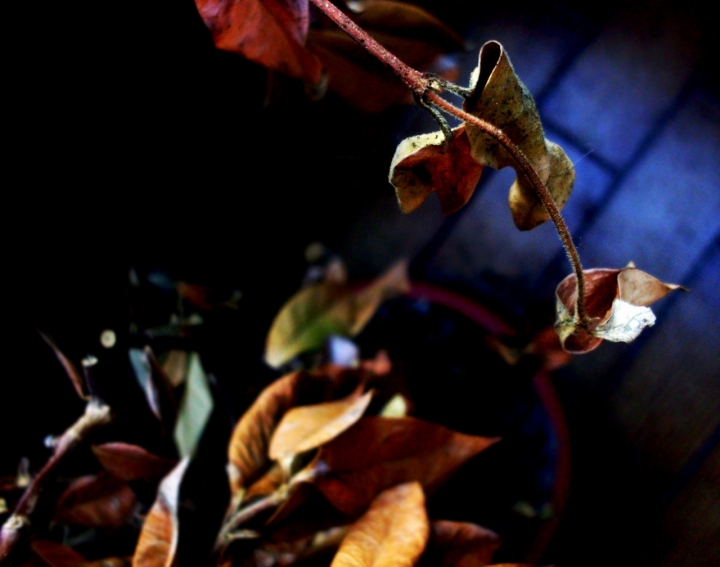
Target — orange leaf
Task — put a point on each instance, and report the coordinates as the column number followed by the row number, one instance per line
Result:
column 101, row 500
column 130, row 462
column 422, row 164
column 250, row 441
column 307, row 427
column 269, row 32
column 379, row 452
column 392, row 533
column 159, row 535
column 617, row 303
column 460, row 544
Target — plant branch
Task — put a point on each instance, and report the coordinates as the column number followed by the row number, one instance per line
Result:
column 426, row 88
column 17, row 526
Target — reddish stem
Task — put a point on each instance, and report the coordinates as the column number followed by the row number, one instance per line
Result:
column 421, row 85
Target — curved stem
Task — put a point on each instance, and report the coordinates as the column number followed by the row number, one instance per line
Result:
column 427, row 89
column 541, row 191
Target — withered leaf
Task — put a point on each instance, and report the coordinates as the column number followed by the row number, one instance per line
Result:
column 75, row 376
column 307, row 427
column 411, row 33
column 250, row 441
column 157, row 544
column 500, row 98
column 393, row 532
column 269, row 32
column 58, row 555
column 101, row 500
column 378, row 452
column 617, row 304
column 324, row 309
column 131, row 462
column 423, row 164
column 460, row 544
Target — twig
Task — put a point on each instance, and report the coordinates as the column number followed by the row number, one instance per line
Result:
column 426, row 88
column 17, row 526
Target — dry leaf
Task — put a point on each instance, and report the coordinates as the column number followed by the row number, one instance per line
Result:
column 159, row 536
column 250, row 441
column 55, row 554
column 617, row 303
column 392, row 533
column 76, row 378
column 101, row 500
column 460, row 544
column 324, row 309
column 130, row 462
column 411, row 33
column 379, row 452
column 307, row 427
column 422, row 164
column 500, row 98
column 269, row 32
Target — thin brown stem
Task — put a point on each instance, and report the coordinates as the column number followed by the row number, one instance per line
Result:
column 246, row 514
column 17, row 526
column 427, row 89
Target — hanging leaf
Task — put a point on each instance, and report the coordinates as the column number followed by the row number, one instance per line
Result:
column 500, row 98
column 617, row 304
column 379, row 452
column 101, row 500
column 250, row 441
column 324, row 309
column 411, row 33
column 423, row 164
column 269, row 32
column 130, row 462
column 393, row 532
column 157, row 544
column 307, row 427
column 459, row 544
column 75, row 376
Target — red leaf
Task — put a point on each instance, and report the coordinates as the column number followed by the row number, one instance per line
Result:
column 377, row 453
column 269, row 32
column 96, row 500
column 130, row 462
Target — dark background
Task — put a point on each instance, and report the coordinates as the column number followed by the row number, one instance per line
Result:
column 132, row 143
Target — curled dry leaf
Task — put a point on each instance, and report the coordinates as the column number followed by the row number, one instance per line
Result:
column 500, row 98
column 411, row 33
column 101, row 500
column 269, row 32
column 423, row 164
column 130, row 462
column 379, row 452
column 460, row 544
column 75, row 376
column 307, row 427
column 393, row 532
column 157, row 544
column 250, row 441
column 324, row 309
column 617, row 304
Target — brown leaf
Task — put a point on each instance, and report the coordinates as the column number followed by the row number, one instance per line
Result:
column 422, row 164
column 307, row 427
column 76, row 378
column 392, row 533
column 269, row 32
column 460, row 544
column 316, row 312
column 411, row 33
column 157, row 544
column 101, row 500
column 617, row 304
column 500, row 98
column 250, row 441
column 379, row 452
column 57, row 555
column 131, row 462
